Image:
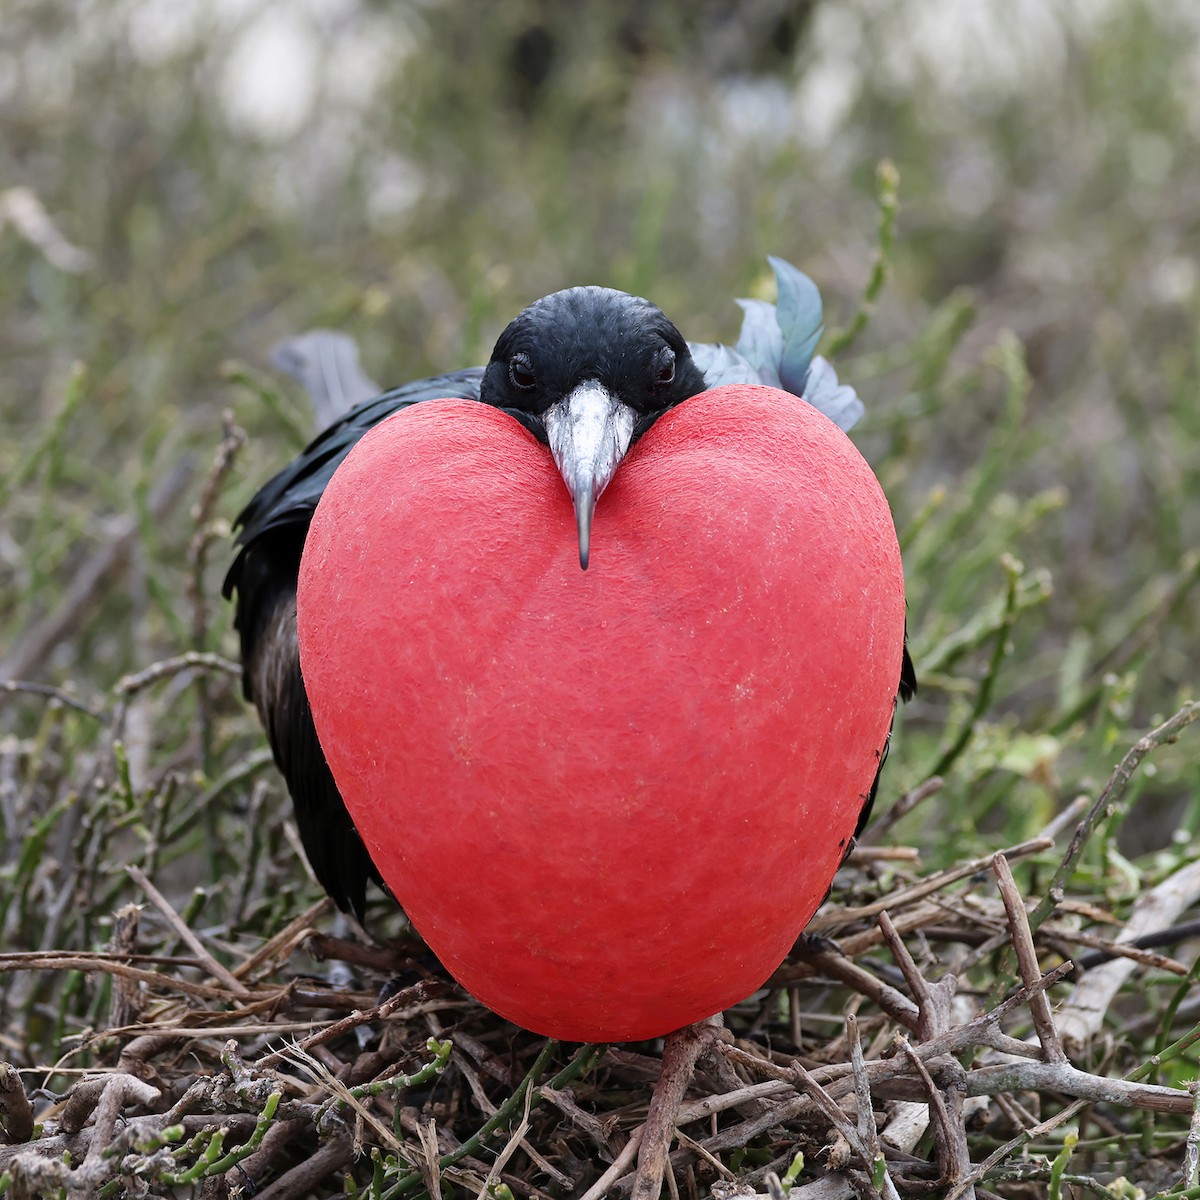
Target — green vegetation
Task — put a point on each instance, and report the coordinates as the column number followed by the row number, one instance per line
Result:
column 1030, row 362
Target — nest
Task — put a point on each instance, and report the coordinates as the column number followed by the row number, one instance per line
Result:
column 932, row 1034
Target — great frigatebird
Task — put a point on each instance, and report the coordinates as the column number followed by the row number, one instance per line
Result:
column 587, row 371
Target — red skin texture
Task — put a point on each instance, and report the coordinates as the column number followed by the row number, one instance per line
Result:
column 608, row 800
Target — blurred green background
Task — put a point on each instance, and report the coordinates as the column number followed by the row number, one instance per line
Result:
column 185, row 184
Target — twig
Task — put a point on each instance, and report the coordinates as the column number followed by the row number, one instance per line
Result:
column 832, row 1187
column 406, row 1183
column 323, row 946
column 915, row 980
column 192, row 660
column 16, row 1113
column 340, row 1096
column 906, row 921
column 390, row 1083
column 1106, row 803
column 949, row 1134
column 720, row 1071
column 837, row 917
column 680, row 1052
column 126, row 998
column 335, row 1154
column 282, row 944
column 1168, row 936
column 836, row 965
column 116, row 1089
column 1083, row 1014
column 216, row 969
column 427, row 1160
column 91, row 1172
column 868, row 854
column 1059, row 936
column 980, row 1031
column 510, row 1148
column 698, row 1149
column 61, row 695
column 1027, row 963
column 1063, row 1077
column 1002, row 1152
column 599, row 1131
column 880, row 827
column 416, row 994
column 1191, row 1151
column 1064, row 818
column 934, row 1000
column 891, row 1080
column 619, row 1166
column 30, row 961
column 873, row 1162
column 868, row 1131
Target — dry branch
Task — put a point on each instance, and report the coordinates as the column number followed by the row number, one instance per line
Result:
column 680, row 1052
column 1081, row 1017
column 1027, row 963
column 16, row 1113
column 833, row 918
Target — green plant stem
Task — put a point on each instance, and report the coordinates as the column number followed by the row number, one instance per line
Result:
column 212, row 1162
column 987, row 687
column 583, row 1060
column 441, row 1051
column 887, row 181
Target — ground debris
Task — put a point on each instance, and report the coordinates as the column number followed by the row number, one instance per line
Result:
column 873, row 1063
column 934, row 1031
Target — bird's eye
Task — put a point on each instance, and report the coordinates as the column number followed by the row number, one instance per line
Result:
column 666, row 369
column 520, row 373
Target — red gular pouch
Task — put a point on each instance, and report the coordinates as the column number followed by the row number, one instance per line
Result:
column 609, row 800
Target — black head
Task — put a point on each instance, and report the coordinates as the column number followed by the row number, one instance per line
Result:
column 588, row 371
column 624, row 343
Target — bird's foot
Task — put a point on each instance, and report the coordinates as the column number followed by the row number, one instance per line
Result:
column 809, row 944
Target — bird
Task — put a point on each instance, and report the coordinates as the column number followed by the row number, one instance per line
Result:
column 587, row 371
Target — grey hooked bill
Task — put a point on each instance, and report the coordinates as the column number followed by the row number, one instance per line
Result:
column 589, row 433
